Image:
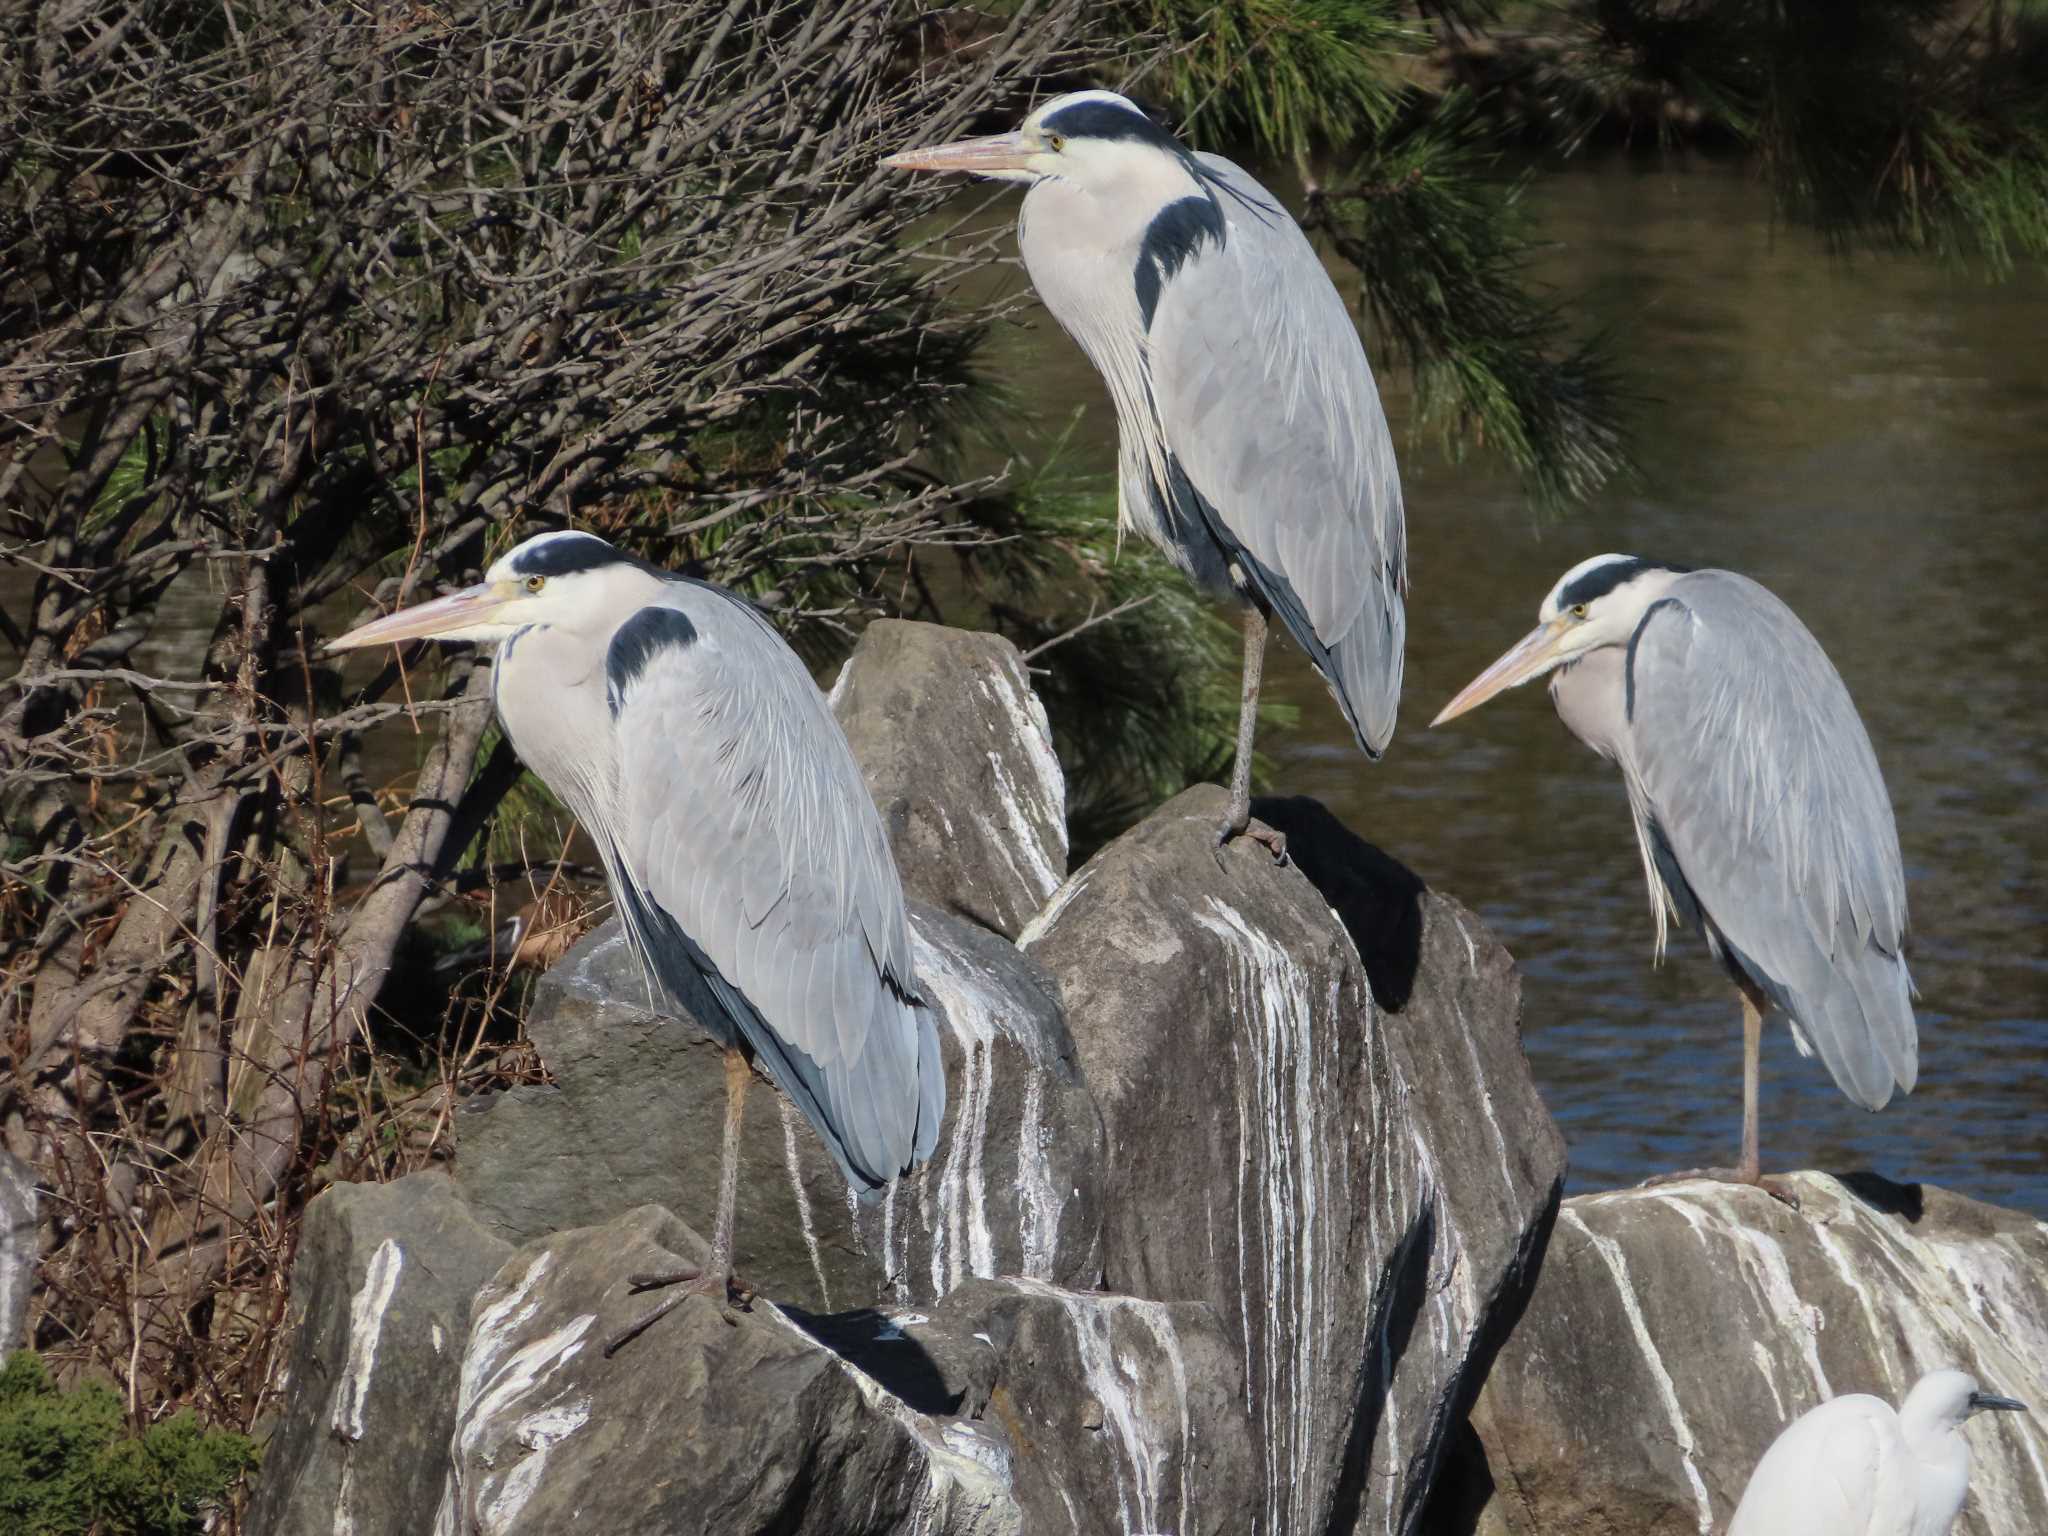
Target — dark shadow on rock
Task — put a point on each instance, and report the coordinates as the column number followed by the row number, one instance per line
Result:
column 1458, row 1495
column 874, row 1342
column 1375, row 896
column 1396, row 1303
column 1882, row 1194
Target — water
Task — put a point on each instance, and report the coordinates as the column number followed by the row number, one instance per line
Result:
column 1870, row 440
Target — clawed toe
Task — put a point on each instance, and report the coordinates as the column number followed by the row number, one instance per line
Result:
column 716, row 1284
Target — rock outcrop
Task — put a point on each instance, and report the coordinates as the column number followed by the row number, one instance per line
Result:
column 380, row 1311
column 1675, row 1331
column 636, row 1110
column 1358, row 1193
column 1242, row 1181
column 959, row 758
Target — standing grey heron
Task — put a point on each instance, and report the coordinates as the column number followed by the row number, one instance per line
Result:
column 1253, row 449
column 737, row 834
column 1759, row 809
column 1853, row 1467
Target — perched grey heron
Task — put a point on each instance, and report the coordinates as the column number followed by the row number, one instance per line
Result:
column 1853, row 1467
column 744, row 853
column 1253, row 449
column 1759, row 809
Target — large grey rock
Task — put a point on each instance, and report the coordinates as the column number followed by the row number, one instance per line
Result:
column 959, row 758
column 17, row 1249
column 635, row 1116
column 698, row 1425
column 1675, row 1332
column 1358, row 1193
column 1119, row 1414
column 381, row 1296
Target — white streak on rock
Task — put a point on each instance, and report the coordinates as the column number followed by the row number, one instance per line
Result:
column 366, row 1311
column 496, row 1379
column 1144, row 1453
column 803, row 1199
column 1039, row 1202
column 1049, row 913
column 1281, row 1076
column 1681, row 1432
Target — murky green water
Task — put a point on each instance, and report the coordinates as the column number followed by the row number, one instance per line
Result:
column 1871, row 441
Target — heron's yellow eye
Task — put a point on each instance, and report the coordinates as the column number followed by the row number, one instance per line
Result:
column 535, row 583
column 1578, row 610
column 1056, row 141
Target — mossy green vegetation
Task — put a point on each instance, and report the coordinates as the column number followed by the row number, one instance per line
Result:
column 70, row 1467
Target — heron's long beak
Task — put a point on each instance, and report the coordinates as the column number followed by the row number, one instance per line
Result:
column 444, row 616
column 973, row 157
column 1535, row 654
column 1982, row 1400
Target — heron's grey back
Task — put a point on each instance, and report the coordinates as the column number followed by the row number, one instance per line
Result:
column 1750, row 759
column 746, row 824
column 1268, row 407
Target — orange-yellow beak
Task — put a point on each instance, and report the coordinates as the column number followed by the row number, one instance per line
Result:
column 972, row 157
column 1532, row 656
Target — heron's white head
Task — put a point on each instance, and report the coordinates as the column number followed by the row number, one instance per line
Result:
column 1598, row 602
column 573, row 581
column 1094, row 139
column 1942, row 1400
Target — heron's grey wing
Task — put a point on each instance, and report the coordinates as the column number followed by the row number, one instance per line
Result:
column 1758, row 779
column 1268, row 407
column 749, row 829
column 1837, row 1471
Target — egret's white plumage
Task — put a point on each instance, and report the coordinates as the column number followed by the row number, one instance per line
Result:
column 1855, row 1467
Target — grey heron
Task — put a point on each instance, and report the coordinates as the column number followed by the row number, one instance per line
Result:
column 737, row 834
column 1759, row 809
column 1252, row 447
column 1853, row 1467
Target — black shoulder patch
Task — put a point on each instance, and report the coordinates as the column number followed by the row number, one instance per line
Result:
column 1628, row 666
column 1176, row 233
column 1106, row 120
column 638, row 642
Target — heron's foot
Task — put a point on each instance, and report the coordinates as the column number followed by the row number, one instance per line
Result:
column 1777, row 1189
column 1258, row 832
column 715, row 1283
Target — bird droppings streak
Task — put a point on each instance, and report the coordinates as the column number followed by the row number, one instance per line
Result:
column 803, row 1199
column 963, row 1241
column 1284, row 1070
column 1145, row 1453
column 1681, row 1432
column 366, row 1312
column 1040, row 1204
column 497, row 1380
column 1049, row 913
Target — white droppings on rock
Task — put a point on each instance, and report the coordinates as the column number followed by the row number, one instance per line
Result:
column 483, row 1494
column 1049, row 913
column 366, row 1312
column 1039, row 1202
column 1146, row 1453
column 803, row 1200
column 1681, row 1432
column 438, row 1337
column 1288, row 1161
column 553, row 1424
column 838, row 689
column 1030, row 728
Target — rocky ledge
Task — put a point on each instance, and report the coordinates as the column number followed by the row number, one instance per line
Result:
column 1242, row 1191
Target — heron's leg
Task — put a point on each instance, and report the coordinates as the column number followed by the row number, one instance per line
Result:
column 1749, row 1170
column 715, row 1278
column 1239, row 822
